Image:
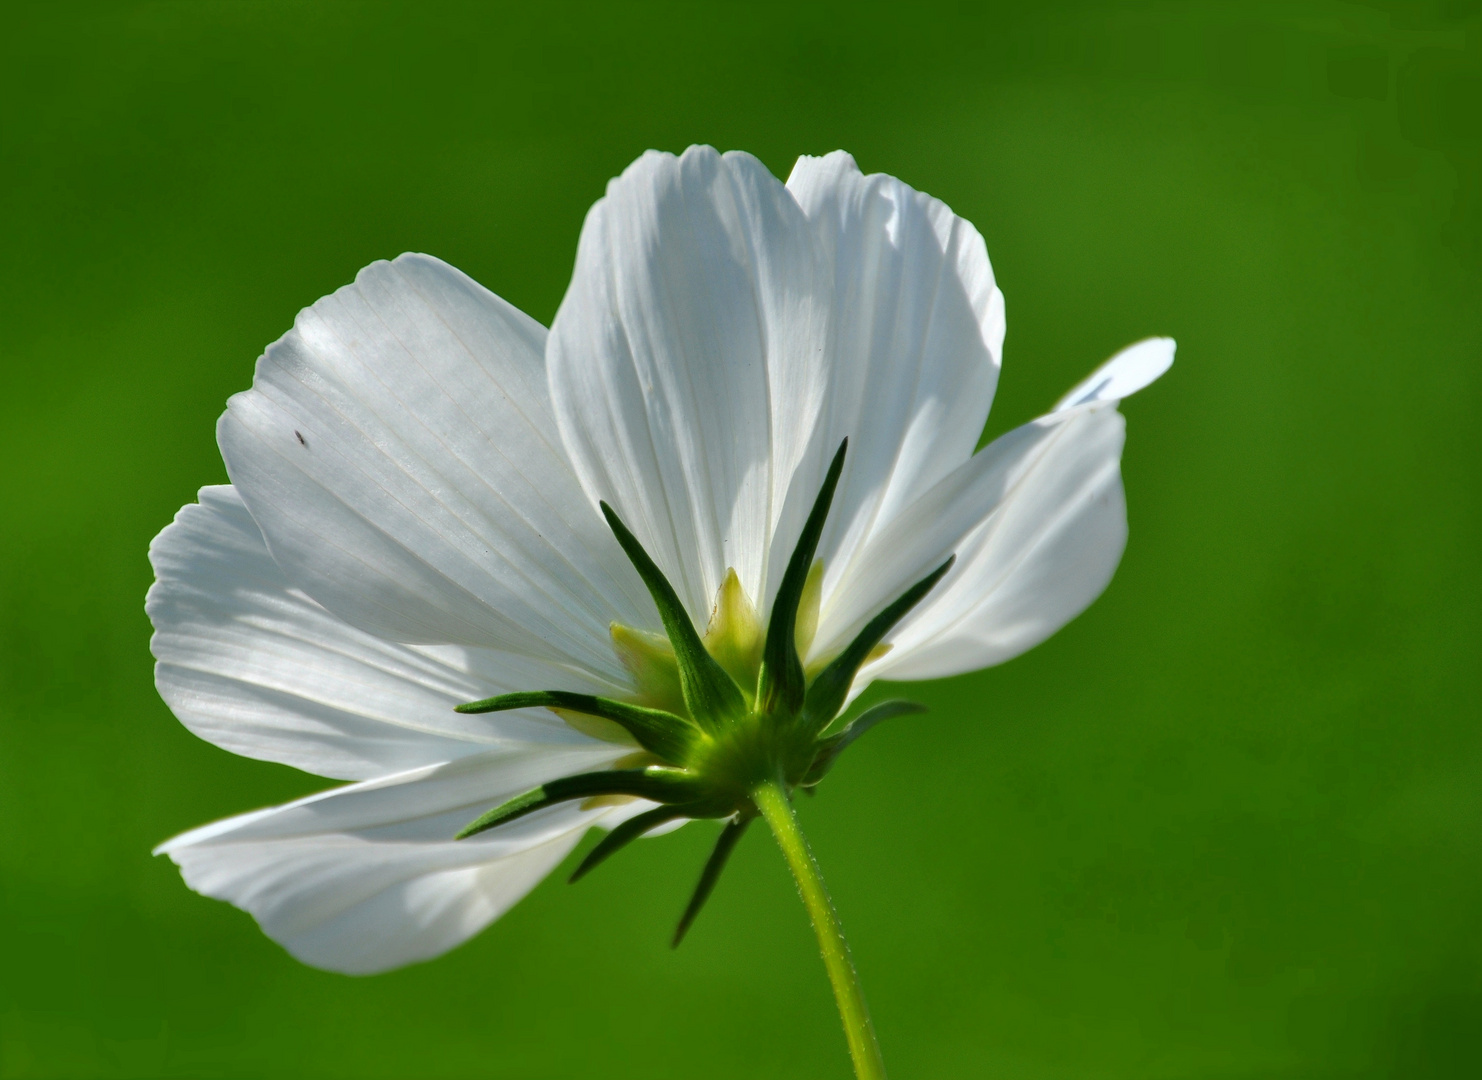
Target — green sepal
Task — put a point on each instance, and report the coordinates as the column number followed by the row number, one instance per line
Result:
column 830, row 747
column 826, row 696
column 657, row 731
column 624, row 834
column 657, row 783
column 781, row 685
column 711, row 696
column 729, row 837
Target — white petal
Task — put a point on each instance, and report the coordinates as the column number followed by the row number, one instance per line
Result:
column 398, row 451
column 684, row 362
column 723, row 333
column 1037, row 521
column 255, row 666
column 1015, row 483
column 1047, row 548
column 915, row 338
column 368, row 877
column 1124, row 374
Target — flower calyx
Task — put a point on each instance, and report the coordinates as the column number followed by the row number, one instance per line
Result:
column 746, row 713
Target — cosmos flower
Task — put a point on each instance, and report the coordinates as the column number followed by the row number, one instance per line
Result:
column 515, row 585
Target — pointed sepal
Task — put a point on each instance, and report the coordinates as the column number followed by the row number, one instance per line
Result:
column 781, row 686
column 661, row 733
column 729, row 837
column 709, row 693
column 830, row 747
column 624, row 834
column 826, row 695
column 656, row 783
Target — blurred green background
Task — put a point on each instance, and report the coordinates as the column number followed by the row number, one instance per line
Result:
column 1227, row 824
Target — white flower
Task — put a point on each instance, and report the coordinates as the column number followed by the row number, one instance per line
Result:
column 414, row 523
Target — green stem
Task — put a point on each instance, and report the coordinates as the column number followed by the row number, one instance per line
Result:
column 776, row 807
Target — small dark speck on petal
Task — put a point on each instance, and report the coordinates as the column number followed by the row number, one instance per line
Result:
column 300, row 439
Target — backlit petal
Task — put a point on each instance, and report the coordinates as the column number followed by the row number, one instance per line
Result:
column 367, row 877
column 723, row 333
column 685, row 361
column 916, row 326
column 398, row 450
column 1037, row 521
column 1047, row 548
column 253, row 665
column 1124, row 374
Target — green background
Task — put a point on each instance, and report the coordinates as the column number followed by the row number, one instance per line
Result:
column 1226, row 824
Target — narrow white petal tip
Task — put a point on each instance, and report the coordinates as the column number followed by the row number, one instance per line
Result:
column 1124, row 374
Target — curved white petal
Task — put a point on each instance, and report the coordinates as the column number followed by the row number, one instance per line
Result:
column 723, row 333
column 368, row 878
column 398, row 450
column 1018, row 481
column 1037, row 521
column 1124, row 374
column 1045, row 549
column 253, row 665
column 684, row 363
column 915, row 340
